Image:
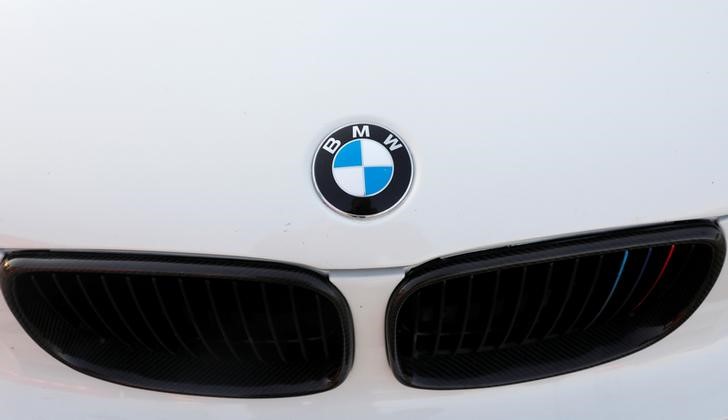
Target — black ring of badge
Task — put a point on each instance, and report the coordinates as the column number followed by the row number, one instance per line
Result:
column 338, row 199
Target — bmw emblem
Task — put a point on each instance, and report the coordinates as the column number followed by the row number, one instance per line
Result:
column 362, row 170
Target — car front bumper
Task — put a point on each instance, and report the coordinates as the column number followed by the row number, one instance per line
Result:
column 682, row 376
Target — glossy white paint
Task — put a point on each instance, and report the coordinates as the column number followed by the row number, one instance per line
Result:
column 187, row 126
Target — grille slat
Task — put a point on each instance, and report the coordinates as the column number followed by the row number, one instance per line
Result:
column 144, row 316
column 587, row 298
column 567, row 298
column 218, row 321
column 297, row 324
column 517, row 308
column 611, row 292
column 416, row 330
column 71, row 305
column 440, row 317
column 271, row 325
column 186, row 325
column 322, row 327
column 466, row 315
column 191, row 317
column 665, row 264
column 244, row 321
column 636, row 283
column 542, row 304
column 168, row 318
column 491, row 313
column 538, row 310
column 96, row 310
column 42, row 294
column 118, row 311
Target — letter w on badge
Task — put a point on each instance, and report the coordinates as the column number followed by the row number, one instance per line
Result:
column 392, row 142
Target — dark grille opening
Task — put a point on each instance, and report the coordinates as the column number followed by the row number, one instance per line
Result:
column 193, row 326
column 530, row 312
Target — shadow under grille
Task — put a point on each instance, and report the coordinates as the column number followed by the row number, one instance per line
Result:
column 193, row 326
column 529, row 312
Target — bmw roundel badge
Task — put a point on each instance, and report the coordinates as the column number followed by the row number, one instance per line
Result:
column 362, row 170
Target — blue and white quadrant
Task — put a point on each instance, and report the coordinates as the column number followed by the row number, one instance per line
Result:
column 363, row 168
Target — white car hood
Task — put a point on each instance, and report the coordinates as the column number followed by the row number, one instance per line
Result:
column 191, row 126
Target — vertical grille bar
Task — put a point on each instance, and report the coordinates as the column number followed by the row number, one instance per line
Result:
column 611, row 292
column 220, row 327
column 441, row 317
column 297, row 323
column 542, row 304
column 592, row 286
column 42, row 294
column 521, row 288
column 119, row 313
column 491, row 313
column 163, row 307
column 193, row 321
column 567, row 298
column 322, row 327
column 466, row 315
column 271, row 327
column 97, row 312
column 144, row 316
column 72, row 306
column 417, row 315
column 244, row 320
column 659, row 277
column 636, row 283
column 686, row 263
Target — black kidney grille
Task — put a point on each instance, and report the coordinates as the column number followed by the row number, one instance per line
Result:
column 530, row 312
column 205, row 327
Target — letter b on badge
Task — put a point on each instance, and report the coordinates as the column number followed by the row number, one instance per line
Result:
column 331, row 145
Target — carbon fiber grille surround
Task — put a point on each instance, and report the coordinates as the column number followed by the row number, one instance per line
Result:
column 213, row 327
column 528, row 312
